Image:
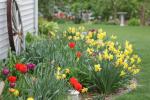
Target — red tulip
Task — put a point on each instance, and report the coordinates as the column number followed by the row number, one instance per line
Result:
column 22, row 68
column 72, row 45
column 78, row 86
column 78, row 54
column 73, row 81
column 12, row 79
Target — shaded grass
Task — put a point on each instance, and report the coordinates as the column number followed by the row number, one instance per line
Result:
column 140, row 38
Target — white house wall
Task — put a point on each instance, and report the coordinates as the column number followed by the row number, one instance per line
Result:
column 29, row 15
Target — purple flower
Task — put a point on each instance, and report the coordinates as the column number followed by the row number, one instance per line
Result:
column 31, row 66
column 12, row 85
column 5, row 71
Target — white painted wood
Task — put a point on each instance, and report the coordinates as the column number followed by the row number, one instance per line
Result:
column 36, row 16
column 29, row 13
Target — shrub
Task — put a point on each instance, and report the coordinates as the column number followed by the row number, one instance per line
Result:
column 134, row 22
column 47, row 28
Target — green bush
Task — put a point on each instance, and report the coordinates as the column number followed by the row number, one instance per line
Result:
column 134, row 22
column 47, row 28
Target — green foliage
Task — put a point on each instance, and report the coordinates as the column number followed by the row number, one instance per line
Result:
column 47, row 28
column 134, row 22
column 44, row 85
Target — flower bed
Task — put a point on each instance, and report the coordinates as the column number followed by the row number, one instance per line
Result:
column 85, row 61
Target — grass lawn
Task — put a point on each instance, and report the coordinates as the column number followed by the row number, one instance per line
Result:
column 140, row 38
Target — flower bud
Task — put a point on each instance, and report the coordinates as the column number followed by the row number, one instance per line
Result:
column 12, row 85
column 5, row 71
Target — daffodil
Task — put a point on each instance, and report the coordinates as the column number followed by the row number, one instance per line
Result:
column 100, row 57
column 58, row 76
column 135, row 71
column 101, row 36
column 63, row 76
column 16, row 92
column 78, row 33
column 69, row 37
column 97, row 68
column 58, row 68
column 133, row 85
column 132, row 60
column 73, row 30
column 113, row 37
column 84, row 90
column 123, row 73
column 138, row 60
column 90, row 50
column 67, row 71
column 30, row 98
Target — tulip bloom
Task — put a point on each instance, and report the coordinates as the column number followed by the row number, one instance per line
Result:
column 12, row 79
column 12, row 85
column 31, row 66
column 78, row 86
column 5, row 71
column 72, row 45
column 22, row 68
column 78, row 54
column 73, row 81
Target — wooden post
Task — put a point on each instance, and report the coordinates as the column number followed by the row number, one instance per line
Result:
column 2, row 84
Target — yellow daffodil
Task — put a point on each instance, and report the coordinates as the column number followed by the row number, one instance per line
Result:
column 16, row 92
column 100, row 30
column 135, row 71
column 84, row 90
column 101, row 36
column 81, row 28
column 69, row 37
column 123, row 73
column 97, row 68
column 113, row 37
column 110, row 57
column 30, row 98
column 100, row 57
column 90, row 50
column 78, row 33
column 67, row 70
column 63, row 76
column 133, row 85
column 76, row 38
column 138, row 60
column 125, row 65
column 132, row 60
column 58, row 76
column 130, row 69
column 58, row 68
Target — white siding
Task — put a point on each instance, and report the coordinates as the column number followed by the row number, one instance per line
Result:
column 29, row 18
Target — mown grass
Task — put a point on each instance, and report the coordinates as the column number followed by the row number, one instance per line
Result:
column 140, row 38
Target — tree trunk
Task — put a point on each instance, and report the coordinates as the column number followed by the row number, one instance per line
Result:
column 114, row 10
column 142, row 15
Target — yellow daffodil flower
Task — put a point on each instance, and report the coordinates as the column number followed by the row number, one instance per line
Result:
column 84, row 90
column 90, row 50
column 63, row 76
column 16, row 92
column 30, row 98
column 113, row 37
column 67, row 70
column 122, row 73
column 97, row 68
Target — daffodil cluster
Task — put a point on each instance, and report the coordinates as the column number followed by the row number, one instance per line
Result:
column 74, row 33
column 61, row 74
